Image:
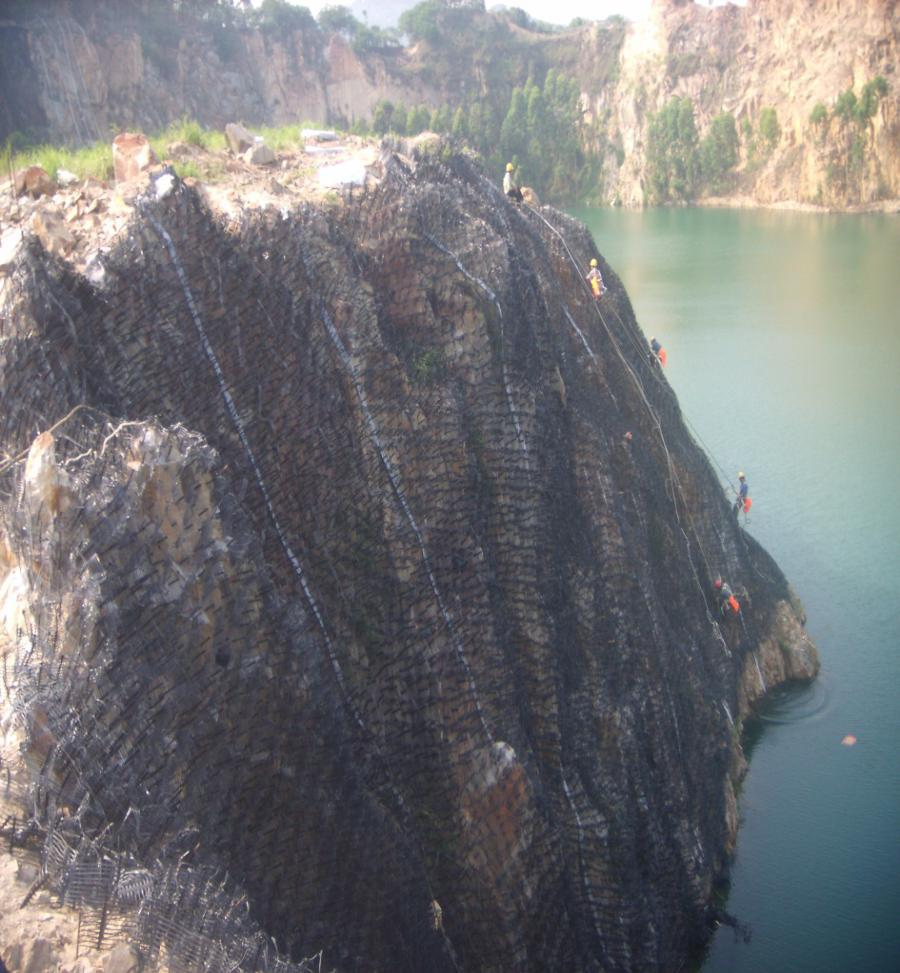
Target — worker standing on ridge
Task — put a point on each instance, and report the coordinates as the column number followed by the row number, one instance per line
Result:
column 510, row 187
column 743, row 501
column 595, row 279
column 658, row 353
column 727, row 601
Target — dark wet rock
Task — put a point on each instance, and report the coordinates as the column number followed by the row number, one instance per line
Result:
column 342, row 575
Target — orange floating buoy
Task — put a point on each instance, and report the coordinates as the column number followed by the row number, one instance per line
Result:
column 849, row 740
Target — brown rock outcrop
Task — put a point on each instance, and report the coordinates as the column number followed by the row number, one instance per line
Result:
column 34, row 181
column 132, row 156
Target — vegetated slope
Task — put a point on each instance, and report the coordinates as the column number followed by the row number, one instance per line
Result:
column 333, row 570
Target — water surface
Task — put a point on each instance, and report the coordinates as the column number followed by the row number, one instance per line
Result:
column 783, row 340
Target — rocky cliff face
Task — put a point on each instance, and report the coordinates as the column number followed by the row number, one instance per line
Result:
column 75, row 70
column 333, row 576
column 79, row 68
column 787, row 56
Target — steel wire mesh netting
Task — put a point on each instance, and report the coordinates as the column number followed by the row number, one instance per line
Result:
column 336, row 540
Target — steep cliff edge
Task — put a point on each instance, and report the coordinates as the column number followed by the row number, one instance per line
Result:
column 332, row 574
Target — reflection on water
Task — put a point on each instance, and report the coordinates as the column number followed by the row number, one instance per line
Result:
column 784, row 340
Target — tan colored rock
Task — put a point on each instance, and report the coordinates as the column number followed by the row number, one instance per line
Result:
column 9, row 248
column 239, row 139
column 34, row 181
column 46, row 485
column 51, row 229
column 121, row 959
column 33, row 956
column 530, row 196
column 259, row 155
column 132, row 155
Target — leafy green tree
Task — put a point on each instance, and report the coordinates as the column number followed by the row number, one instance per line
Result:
column 423, row 22
column 399, row 120
column 719, row 151
column 514, row 130
column 441, row 119
column 673, row 161
column 283, row 16
column 869, row 98
column 418, row 120
column 459, row 127
column 381, row 117
column 338, row 20
column 845, row 106
column 769, row 129
column 819, row 114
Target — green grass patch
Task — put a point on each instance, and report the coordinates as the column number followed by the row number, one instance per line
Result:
column 93, row 161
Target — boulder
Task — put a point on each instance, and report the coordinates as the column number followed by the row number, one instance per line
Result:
column 259, row 154
column 239, row 139
column 51, row 229
column 9, row 248
column 34, row 181
column 33, row 956
column 121, row 959
column 66, row 178
column 132, row 155
column 530, row 196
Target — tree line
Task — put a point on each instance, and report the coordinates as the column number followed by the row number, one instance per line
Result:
column 538, row 132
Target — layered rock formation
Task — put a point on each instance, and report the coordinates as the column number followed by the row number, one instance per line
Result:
column 789, row 56
column 332, row 577
column 73, row 70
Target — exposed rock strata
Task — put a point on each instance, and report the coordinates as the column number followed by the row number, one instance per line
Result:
column 332, row 569
column 79, row 68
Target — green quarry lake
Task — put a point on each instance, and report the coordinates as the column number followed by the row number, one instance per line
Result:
column 783, row 338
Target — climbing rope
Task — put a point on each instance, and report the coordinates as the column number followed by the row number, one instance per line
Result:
column 675, row 486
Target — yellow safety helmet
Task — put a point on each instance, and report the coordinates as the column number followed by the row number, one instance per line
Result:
column 593, row 261
column 741, row 475
column 652, row 338
column 509, row 167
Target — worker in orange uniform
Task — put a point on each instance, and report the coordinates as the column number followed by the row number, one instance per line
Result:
column 727, row 601
column 595, row 279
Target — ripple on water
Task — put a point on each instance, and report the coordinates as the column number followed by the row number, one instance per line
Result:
column 796, row 702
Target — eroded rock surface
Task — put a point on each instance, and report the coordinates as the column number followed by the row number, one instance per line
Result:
column 334, row 570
